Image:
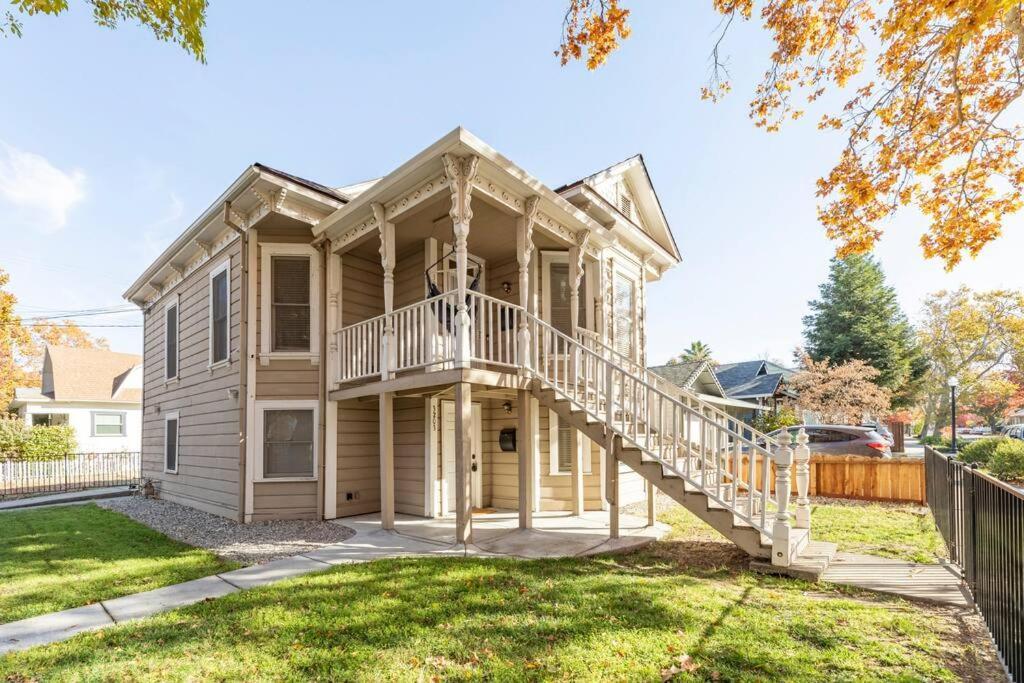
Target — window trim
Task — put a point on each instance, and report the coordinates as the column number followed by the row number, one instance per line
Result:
column 175, row 303
column 261, row 408
column 553, row 470
column 222, row 267
column 267, row 252
column 173, row 415
column 633, row 277
column 124, row 423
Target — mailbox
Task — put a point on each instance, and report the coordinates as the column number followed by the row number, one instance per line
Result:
column 507, row 439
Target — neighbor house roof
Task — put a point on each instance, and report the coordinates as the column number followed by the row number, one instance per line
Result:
column 696, row 375
column 73, row 374
column 752, row 378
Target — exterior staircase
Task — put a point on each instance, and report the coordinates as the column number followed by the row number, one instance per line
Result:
column 722, row 470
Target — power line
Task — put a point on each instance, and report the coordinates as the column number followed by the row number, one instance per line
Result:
column 64, row 316
column 61, row 325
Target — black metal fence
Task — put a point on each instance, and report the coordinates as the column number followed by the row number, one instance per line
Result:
column 982, row 522
column 70, row 472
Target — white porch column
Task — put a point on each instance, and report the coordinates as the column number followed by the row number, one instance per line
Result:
column 611, row 454
column 463, row 463
column 333, row 323
column 576, row 444
column 524, row 251
column 524, row 455
column 386, row 421
column 461, row 171
column 386, row 231
column 651, row 499
column 576, row 252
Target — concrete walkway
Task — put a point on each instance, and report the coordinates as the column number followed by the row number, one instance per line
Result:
column 495, row 535
column 65, row 498
column 935, row 583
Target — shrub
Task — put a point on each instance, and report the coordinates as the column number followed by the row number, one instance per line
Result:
column 35, row 443
column 936, row 441
column 1007, row 461
column 769, row 421
column 980, row 451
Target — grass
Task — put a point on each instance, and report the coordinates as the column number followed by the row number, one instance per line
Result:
column 483, row 619
column 897, row 531
column 660, row 612
column 57, row 558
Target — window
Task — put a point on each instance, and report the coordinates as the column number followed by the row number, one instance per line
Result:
column 49, row 419
column 171, row 443
column 291, row 302
column 561, row 298
column 108, row 424
column 289, row 290
column 288, row 432
column 623, row 313
column 171, row 340
column 220, row 313
column 560, row 440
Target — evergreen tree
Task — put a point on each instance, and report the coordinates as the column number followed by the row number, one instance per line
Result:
column 857, row 317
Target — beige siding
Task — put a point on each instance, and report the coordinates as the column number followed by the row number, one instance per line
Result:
column 283, row 379
column 362, row 289
column 410, row 426
column 208, row 454
column 358, row 458
column 507, row 271
column 410, row 283
column 501, row 468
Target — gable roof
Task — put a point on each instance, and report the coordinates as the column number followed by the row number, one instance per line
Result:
column 752, row 378
column 73, row 374
column 686, row 375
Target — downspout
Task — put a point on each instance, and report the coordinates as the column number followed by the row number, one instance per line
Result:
column 321, row 244
column 243, row 356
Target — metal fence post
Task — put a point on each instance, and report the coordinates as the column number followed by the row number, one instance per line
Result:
column 65, row 471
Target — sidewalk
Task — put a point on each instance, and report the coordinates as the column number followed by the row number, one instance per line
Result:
column 65, row 498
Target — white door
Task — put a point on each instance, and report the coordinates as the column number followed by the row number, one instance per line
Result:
column 448, row 455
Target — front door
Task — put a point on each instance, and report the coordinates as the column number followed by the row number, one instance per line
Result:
column 448, row 455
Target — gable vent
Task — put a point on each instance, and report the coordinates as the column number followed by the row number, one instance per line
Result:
column 625, row 204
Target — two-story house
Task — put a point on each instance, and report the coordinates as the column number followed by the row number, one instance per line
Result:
column 454, row 335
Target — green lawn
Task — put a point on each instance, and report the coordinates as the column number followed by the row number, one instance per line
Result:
column 632, row 617
column 56, row 558
column 888, row 530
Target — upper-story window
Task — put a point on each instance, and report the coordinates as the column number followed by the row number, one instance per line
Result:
column 288, row 291
column 171, row 340
column 624, row 315
column 557, row 287
column 220, row 313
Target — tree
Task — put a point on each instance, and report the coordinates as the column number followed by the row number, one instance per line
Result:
column 857, row 316
column 994, row 397
column 967, row 335
column 925, row 127
column 178, row 21
column 12, row 338
column 843, row 393
column 698, row 351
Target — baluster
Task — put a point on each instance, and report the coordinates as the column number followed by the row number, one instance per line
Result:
column 802, row 458
column 781, row 531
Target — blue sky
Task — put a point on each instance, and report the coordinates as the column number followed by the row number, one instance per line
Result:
column 111, row 143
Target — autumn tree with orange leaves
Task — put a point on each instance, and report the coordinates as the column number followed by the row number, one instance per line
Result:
column 927, row 120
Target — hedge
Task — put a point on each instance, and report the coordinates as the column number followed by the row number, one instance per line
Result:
column 1007, row 461
column 980, row 452
column 35, row 443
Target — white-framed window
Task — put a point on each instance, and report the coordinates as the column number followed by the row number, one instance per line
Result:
column 556, row 285
column 171, row 431
column 624, row 314
column 171, row 339
column 287, row 446
column 108, row 423
column 289, row 295
column 560, row 446
column 220, row 313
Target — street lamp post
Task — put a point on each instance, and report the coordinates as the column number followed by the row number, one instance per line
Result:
column 953, row 383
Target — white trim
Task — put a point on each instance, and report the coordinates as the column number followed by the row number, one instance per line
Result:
column 173, row 415
column 431, row 492
column 175, row 303
column 250, row 372
column 535, row 433
column 261, row 408
column 222, row 267
column 267, row 252
column 553, row 426
column 331, row 460
column 92, row 422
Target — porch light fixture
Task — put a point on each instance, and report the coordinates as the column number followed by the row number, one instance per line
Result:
column 506, row 287
column 507, row 405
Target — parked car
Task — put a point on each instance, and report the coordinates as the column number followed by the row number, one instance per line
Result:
column 1015, row 432
column 843, row 440
column 883, row 430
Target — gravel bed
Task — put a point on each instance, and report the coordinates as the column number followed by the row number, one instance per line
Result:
column 247, row 544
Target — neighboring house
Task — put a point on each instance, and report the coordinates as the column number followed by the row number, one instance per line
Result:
column 411, row 345
column 699, row 377
column 97, row 392
column 756, row 381
column 1016, row 417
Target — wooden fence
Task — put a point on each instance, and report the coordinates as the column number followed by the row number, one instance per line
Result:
column 851, row 476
